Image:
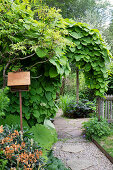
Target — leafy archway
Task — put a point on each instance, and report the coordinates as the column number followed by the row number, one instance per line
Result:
column 90, row 54
column 41, row 41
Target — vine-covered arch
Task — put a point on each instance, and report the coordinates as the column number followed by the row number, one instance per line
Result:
column 44, row 45
column 90, row 54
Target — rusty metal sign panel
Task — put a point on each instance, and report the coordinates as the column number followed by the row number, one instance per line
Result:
column 18, row 79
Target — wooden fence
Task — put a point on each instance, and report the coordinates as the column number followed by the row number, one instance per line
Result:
column 105, row 107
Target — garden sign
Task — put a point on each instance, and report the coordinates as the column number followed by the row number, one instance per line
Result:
column 19, row 81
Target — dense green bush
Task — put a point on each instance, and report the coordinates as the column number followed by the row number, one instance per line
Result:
column 13, row 120
column 96, row 128
column 4, row 101
column 79, row 110
column 39, row 103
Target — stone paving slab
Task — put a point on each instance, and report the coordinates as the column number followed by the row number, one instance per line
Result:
column 72, row 148
column 78, row 164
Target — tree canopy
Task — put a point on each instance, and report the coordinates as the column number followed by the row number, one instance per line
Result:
column 37, row 38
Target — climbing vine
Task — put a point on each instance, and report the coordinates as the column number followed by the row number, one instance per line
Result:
column 32, row 37
column 36, row 38
column 90, row 54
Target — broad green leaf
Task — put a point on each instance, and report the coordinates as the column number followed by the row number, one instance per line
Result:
column 102, row 90
column 48, row 95
column 97, row 86
column 51, row 103
column 100, row 80
column 33, row 91
column 84, row 43
column 53, row 72
column 79, row 46
column 76, row 35
column 78, row 57
column 72, row 49
column 39, row 90
column 77, row 42
column 41, row 52
column 87, row 67
column 36, row 113
column 45, row 136
column 63, row 60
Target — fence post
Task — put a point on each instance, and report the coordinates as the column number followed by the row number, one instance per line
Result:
column 102, row 107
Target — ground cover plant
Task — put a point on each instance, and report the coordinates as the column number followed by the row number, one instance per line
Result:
column 107, row 141
column 18, row 151
column 96, row 128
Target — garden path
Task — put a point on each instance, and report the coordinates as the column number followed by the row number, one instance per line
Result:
column 76, row 152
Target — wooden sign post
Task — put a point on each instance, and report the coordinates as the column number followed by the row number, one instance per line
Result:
column 19, row 81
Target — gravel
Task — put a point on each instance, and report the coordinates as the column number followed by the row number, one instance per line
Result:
column 89, row 151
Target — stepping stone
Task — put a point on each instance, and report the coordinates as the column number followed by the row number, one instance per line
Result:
column 72, row 148
column 80, row 163
column 75, row 133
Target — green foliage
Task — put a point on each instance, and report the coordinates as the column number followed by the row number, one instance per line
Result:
column 107, row 141
column 110, row 78
column 32, row 31
column 70, row 85
column 33, row 36
column 3, row 161
column 96, row 128
column 64, row 101
column 4, row 101
column 38, row 104
column 44, row 135
column 79, row 110
column 12, row 120
column 90, row 54
column 54, row 163
column 37, row 38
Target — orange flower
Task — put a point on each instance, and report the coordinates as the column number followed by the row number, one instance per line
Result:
column 23, row 144
column 1, row 129
column 40, row 152
column 16, row 132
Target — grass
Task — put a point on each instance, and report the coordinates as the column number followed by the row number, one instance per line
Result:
column 107, row 142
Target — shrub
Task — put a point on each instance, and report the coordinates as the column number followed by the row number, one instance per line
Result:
column 18, row 150
column 96, row 128
column 13, row 120
column 4, row 101
column 78, row 110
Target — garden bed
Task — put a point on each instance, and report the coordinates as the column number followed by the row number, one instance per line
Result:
column 105, row 144
column 106, row 153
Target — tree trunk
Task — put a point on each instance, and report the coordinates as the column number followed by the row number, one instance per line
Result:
column 63, row 86
column 4, row 74
column 77, row 84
